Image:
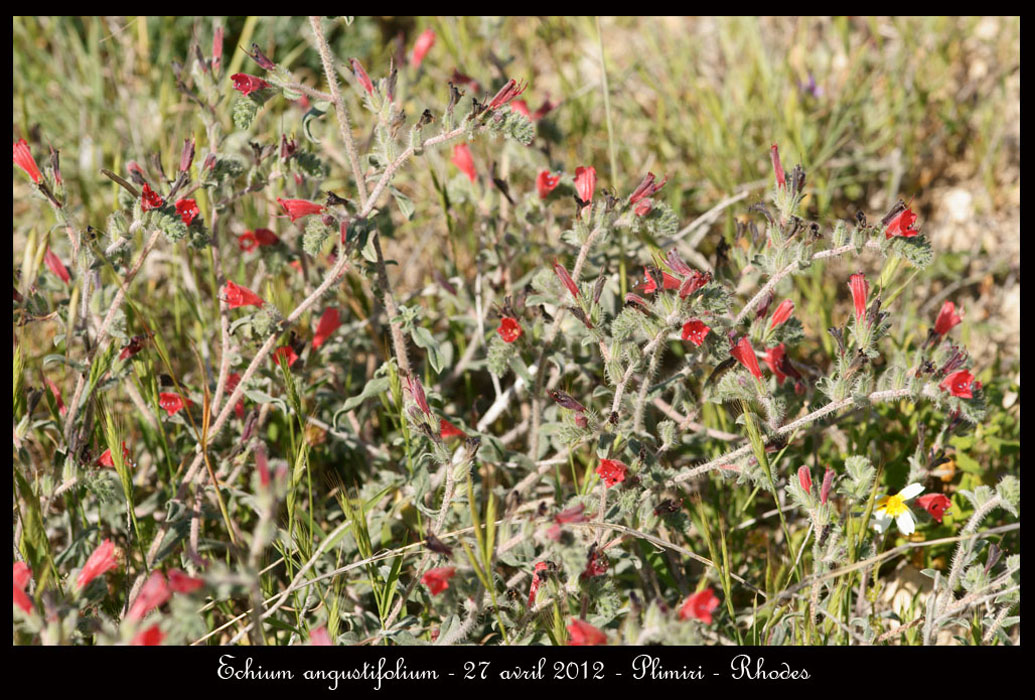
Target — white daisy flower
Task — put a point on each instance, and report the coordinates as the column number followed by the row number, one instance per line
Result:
column 894, row 508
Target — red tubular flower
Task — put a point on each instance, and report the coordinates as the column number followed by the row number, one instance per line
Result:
column 463, row 160
column 22, row 576
column 106, row 460
column 745, row 354
column 102, row 560
column 646, row 188
column 247, row 84
column 959, row 384
column 447, row 430
column 329, row 322
column 583, row 634
column 287, row 352
column 611, row 471
column 246, row 242
column 565, row 278
column 805, row 479
column 650, row 285
column 188, row 210
column 24, row 160
column 237, row 296
column 936, row 504
column 297, row 208
column 149, row 199
column 62, row 409
column 361, row 75
column 417, row 392
column 585, row 183
column 695, row 330
column 171, row 403
column 421, row 47
column 902, row 225
column 947, row 318
column 521, row 107
column 56, row 266
column 506, row 93
column 151, row 637
column 539, row 566
column 231, row 383
column 437, row 580
column 510, row 330
column 545, row 182
column 135, row 345
column 319, row 637
column 699, row 606
column 217, row 49
column 182, row 583
column 774, row 155
column 828, row 481
column 860, row 291
column 782, row 313
column 774, row 358
column 153, row 593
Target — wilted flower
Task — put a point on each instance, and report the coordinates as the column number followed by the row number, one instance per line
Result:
column 462, row 159
column 417, row 392
column 611, row 471
column 695, row 331
column 584, row 634
column 699, row 606
column 566, row 400
column 546, row 182
column 959, row 384
column 536, row 581
column 102, row 560
column 510, row 330
column 437, row 580
column 237, row 296
column 420, row 49
column 693, row 282
column 247, row 84
column 565, row 278
column 894, row 508
column 646, row 188
column 506, row 93
column 62, row 409
column 24, row 160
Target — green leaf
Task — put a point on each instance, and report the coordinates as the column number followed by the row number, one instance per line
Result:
column 374, row 387
column 316, row 109
column 404, row 202
column 423, row 338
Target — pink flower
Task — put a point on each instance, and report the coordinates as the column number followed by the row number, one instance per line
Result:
column 805, row 479
column 297, row 208
column 247, row 84
column 153, row 593
column 828, row 481
column 947, row 318
column 182, row 583
column 782, row 313
column 860, row 291
column 699, row 606
column 745, row 354
column 437, row 580
column 646, row 188
column 237, row 296
column 774, row 155
column 62, row 409
column 217, row 50
column 56, row 266
column 420, row 49
column 536, row 581
column 24, row 160
column 585, row 183
column 106, row 460
column 545, row 182
column 643, row 208
column 584, row 634
column 361, row 75
column 149, row 199
column 611, row 471
column 151, row 637
column 287, row 352
column 417, row 392
column 959, row 384
column 319, row 637
column 566, row 279
column 510, row 330
column 695, row 330
column 22, row 576
column 521, row 107
column 329, row 322
column 171, row 403
column 936, row 504
column 463, row 160
column 447, row 430
column 102, row 560
column 188, row 210
column 902, row 225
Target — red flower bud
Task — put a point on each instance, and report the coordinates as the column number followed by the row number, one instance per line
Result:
column 860, row 291
column 153, row 593
column 420, row 49
column 361, row 75
column 565, row 278
column 805, row 479
column 745, row 354
column 828, row 481
column 774, row 155
column 102, row 560
column 56, row 266
column 187, row 156
column 782, row 313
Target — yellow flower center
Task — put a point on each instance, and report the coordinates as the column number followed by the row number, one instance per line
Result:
column 893, row 505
